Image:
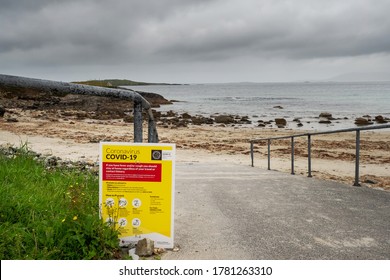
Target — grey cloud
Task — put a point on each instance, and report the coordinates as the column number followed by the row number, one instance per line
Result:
column 107, row 28
column 8, row 6
column 121, row 32
column 293, row 33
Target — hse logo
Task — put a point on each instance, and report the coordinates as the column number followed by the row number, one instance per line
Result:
column 156, row 154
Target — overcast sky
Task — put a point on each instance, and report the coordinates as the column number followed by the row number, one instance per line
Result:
column 193, row 41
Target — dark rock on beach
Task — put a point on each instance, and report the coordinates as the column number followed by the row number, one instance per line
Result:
column 154, row 99
column 380, row 119
column 261, row 123
column 244, row 120
column 326, row 115
column 225, row 119
column 12, row 120
column 128, row 119
column 186, row 116
column 370, row 181
column 169, row 114
column 326, row 118
column 196, row 120
column 363, row 121
column 2, row 112
column 280, row 122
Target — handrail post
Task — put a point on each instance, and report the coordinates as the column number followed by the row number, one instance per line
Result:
column 292, row 156
column 356, row 183
column 309, row 155
column 152, row 131
column 137, row 121
column 252, row 154
column 269, row 154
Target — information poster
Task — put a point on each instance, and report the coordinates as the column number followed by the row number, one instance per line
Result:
column 137, row 189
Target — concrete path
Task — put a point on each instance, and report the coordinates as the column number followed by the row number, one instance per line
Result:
column 227, row 211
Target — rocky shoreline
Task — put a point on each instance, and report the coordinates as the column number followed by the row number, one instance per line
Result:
column 69, row 107
column 174, row 119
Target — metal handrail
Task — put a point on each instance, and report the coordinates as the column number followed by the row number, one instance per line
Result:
column 308, row 135
column 140, row 103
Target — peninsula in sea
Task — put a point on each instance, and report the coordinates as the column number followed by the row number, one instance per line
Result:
column 114, row 83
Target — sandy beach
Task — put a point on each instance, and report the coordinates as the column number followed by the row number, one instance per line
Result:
column 333, row 156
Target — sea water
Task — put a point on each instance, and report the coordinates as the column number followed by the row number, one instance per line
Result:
column 266, row 101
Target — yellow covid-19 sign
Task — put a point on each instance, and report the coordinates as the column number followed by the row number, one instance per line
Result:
column 137, row 190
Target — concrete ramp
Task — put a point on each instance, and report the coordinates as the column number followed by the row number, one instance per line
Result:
column 227, row 211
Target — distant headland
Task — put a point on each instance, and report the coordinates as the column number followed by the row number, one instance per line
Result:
column 114, row 83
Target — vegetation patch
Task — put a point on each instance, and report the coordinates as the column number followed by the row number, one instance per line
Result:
column 50, row 213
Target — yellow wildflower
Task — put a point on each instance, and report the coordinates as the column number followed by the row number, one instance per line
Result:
column 74, row 218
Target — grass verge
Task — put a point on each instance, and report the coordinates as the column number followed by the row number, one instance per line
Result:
column 51, row 214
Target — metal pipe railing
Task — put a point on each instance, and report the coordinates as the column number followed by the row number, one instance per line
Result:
column 309, row 138
column 309, row 155
column 140, row 103
column 292, row 156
